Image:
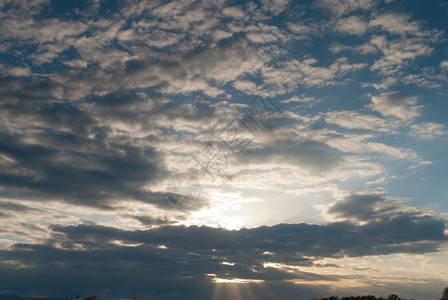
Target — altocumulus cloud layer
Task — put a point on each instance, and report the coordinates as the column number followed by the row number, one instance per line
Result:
column 313, row 132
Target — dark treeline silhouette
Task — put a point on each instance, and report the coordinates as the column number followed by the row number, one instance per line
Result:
column 445, row 294
column 93, row 297
column 372, row 297
column 368, row 297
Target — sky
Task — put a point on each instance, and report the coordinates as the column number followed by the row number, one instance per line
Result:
column 268, row 149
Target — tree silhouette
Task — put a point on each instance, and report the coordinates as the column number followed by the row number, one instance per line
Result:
column 366, row 297
column 77, row 297
column 445, row 294
column 93, row 297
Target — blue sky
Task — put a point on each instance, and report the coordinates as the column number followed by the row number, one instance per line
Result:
column 195, row 150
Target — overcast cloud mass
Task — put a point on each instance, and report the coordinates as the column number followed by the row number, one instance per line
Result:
column 268, row 149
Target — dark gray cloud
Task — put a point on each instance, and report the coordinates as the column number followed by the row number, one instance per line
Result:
column 118, row 171
column 19, row 208
column 364, row 207
column 309, row 155
column 374, row 208
column 59, row 150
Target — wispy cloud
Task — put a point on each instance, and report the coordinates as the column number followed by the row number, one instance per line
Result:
column 396, row 105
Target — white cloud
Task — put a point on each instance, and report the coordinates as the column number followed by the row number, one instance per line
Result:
column 398, row 54
column 424, row 80
column 385, row 83
column 221, row 34
column 358, row 143
column 275, row 6
column 170, row 9
column 353, row 25
column 161, row 38
column 234, row 12
column 77, row 63
column 246, row 86
column 363, row 49
column 396, row 24
column 261, row 37
column 261, row 34
column 427, row 131
column 408, row 41
column 444, row 65
column 50, row 36
column 296, row 99
column 24, row 7
column 337, row 48
column 15, row 71
column 293, row 72
column 396, row 105
column 179, row 74
column 342, row 7
column 300, row 28
column 50, row 30
column 342, row 66
column 355, row 120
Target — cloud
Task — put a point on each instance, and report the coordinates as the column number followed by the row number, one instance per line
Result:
column 265, row 34
column 413, row 41
column 444, row 65
column 385, row 83
column 352, row 25
column 104, row 101
column 197, row 70
column 398, row 54
column 340, row 7
column 77, row 63
column 364, row 49
column 23, row 222
column 307, row 155
column 73, row 154
column 78, row 177
column 305, row 72
column 29, row 7
column 50, row 36
column 396, row 105
column 427, row 131
column 368, row 207
column 171, row 260
column 355, row 120
column 359, row 143
column 296, row 99
column 397, row 24
column 275, row 6
column 15, row 71
column 304, row 30
column 425, row 79
column 234, row 12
